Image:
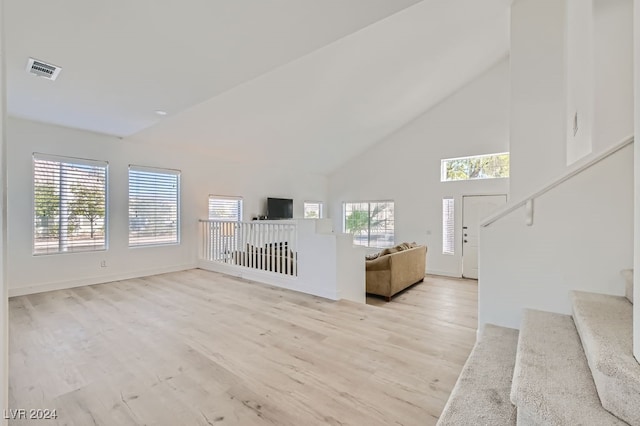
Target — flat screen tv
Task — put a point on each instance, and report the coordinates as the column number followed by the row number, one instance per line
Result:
column 279, row 208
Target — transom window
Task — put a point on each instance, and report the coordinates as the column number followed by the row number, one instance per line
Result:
column 154, row 206
column 489, row 166
column 69, row 204
column 312, row 209
column 371, row 223
column 225, row 208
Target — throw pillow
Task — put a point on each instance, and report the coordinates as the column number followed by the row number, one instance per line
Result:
column 389, row 250
column 372, row 256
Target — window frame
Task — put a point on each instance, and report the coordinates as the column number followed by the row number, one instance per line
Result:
column 239, row 200
column 369, row 203
column 320, row 205
column 69, row 161
column 445, row 161
column 448, row 215
column 159, row 171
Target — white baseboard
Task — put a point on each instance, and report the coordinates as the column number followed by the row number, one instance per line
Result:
column 443, row 274
column 276, row 280
column 66, row 284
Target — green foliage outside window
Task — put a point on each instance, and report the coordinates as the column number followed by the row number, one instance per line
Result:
column 479, row 167
column 89, row 203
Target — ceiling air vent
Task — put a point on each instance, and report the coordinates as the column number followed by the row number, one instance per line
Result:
column 42, row 69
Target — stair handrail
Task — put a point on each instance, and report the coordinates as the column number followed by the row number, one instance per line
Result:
column 570, row 173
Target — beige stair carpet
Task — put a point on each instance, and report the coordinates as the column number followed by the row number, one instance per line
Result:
column 605, row 325
column 481, row 394
column 552, row 383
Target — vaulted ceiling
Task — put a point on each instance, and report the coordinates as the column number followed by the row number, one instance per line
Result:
column 303, row 83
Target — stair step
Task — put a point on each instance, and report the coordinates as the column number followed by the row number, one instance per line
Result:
column 552, row 383
column 605, row 325
column 481, row 394
column 627, row 274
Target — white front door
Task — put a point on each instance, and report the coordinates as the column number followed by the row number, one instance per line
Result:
column 474, row 209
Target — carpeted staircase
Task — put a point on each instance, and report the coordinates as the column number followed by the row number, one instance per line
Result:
column 560, row 370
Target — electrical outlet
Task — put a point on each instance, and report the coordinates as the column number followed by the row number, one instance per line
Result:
column 103, row 264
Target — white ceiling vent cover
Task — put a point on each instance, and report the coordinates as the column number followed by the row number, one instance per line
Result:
column 42, row 69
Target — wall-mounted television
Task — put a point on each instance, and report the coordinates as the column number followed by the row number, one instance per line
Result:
column 279, row 208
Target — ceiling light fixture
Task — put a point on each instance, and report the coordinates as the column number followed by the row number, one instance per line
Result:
column 161, row 112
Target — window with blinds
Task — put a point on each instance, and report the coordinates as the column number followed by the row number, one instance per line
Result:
column 225, row 208
column 69, row 204
column 448, row 226
column 312, row 210
column 371, row 223
column 154, row 206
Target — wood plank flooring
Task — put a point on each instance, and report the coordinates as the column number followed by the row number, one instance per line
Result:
column 201, row 348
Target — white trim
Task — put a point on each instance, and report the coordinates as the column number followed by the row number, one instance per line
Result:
column 476, row 156
column 226, row 197
column 320, row 206
column 69, row 160
column 443, row 273
column 67, row 284
column 154, row 170
column 443, row 169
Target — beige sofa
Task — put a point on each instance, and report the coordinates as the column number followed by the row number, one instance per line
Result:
column 395, row 269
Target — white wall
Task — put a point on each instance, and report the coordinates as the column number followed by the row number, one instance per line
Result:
column 4, row 320
column 613, row 37
column 636, row 238
column 580, row 79
column 599, row 80
column 538, row 94
column 405, row 167
column 200, row 177
column 580, row 240
column 567, row 56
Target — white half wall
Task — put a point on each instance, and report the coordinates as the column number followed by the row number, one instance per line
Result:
column 405, row 166
column 581, row 239
column 200, row 177
column 328, row 264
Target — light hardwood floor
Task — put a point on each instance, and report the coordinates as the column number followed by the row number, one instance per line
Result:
column 201, row 348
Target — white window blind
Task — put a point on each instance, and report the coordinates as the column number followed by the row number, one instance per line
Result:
column 154, row 206
column 312, row 210
column 448, row 226
column 225, row 208
column 70, row 204
column 371, row 223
